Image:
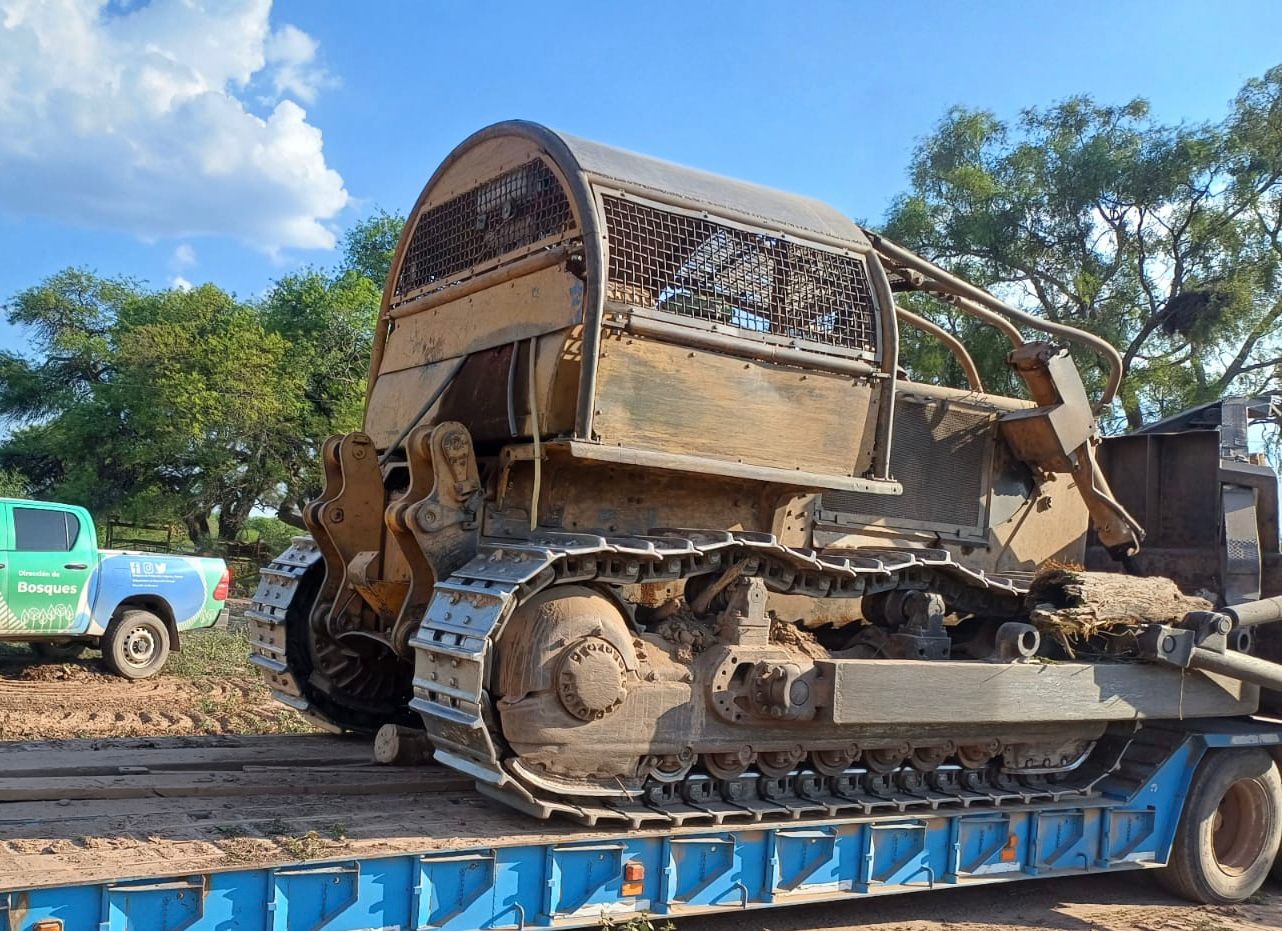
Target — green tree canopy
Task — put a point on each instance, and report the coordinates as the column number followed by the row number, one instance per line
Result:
column 189, row 404
column 1162, row 239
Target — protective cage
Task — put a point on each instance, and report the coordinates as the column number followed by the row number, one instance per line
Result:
column 688, row 247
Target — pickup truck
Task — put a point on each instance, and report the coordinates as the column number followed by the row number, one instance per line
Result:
column 61, row 594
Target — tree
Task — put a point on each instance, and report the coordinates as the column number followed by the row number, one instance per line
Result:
column 368, row 246
column 328, row 322
column 1162, row 239
column 148, row 403
column 13, row 484
column 190, row 405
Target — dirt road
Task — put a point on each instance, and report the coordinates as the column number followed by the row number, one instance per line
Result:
column 211, row 690
column 1118, row 902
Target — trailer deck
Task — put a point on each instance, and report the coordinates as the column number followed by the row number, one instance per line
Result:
column 100, row 811
column 303, row 832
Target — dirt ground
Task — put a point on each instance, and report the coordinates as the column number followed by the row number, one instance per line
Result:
column 1118, row 902
column 207, row 688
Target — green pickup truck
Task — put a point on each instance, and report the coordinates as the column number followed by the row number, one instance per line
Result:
column 60, row 593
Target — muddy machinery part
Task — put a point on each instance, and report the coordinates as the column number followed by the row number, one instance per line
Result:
column 578, row 345
column 1212, row 506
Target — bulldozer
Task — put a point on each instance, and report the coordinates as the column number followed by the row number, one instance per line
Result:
column 646, row 517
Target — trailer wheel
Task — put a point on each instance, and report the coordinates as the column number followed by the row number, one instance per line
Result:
column 136, row 644
column 1229, row 831
column 57, row 652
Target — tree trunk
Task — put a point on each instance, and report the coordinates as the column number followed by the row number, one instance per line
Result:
column 230, row 524
column 287, row 514
column 197, row 525
column 1072, row 605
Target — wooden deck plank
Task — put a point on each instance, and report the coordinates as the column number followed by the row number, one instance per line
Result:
column 207, row 784
column 236, row 816
column 173, row 754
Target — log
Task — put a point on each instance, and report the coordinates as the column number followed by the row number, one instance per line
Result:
column 395, row 745
column 1072, row 605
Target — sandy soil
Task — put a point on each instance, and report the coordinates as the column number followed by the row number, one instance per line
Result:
column 44, row 700
column 1117, row 902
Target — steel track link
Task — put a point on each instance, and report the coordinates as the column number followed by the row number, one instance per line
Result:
column 278, row 585
column 468, row 610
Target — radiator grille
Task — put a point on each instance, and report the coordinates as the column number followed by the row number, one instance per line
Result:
column 516, row 209
column 710, row 271
column 938, row 454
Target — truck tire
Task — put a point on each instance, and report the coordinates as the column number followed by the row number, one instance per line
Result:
column 1229, row 830
column 136, row 644
column 57, row 652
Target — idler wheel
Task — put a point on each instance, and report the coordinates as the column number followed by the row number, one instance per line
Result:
column 776, row 763
column 833, row 762
column 729, row 765
column 977, row 756
column 670, row 767
column 886, row 759
column 590, row 679
column 927, row 759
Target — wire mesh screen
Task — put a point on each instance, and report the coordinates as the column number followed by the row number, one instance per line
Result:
column 516, row 209
column 698, row 268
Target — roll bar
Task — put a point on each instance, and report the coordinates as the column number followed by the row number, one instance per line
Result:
column 968, row 296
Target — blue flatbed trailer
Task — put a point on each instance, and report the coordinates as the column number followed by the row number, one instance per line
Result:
column 495, row 869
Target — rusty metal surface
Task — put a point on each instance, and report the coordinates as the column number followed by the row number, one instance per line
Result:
column 517, row 209
column 941, row 457
column 619, row 344
column 770, row 207
column 691, row 266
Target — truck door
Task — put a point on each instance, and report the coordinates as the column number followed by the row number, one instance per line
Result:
column 8, row 620
column 48, row 567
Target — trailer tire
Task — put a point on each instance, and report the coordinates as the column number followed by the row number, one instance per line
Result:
column 1229, row 830
column 58, row 652
column 136, row 644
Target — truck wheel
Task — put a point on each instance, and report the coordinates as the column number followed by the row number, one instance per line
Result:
column 1229, row 831
column 58, row 652
column 136, row 644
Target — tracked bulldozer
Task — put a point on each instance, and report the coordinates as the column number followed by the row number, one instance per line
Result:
column 646, row 518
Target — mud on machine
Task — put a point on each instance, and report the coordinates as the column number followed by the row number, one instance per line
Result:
column 646, row 525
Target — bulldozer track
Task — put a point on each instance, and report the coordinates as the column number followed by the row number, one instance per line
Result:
column 467, row 612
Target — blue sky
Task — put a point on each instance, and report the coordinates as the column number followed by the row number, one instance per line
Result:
column 272, row 127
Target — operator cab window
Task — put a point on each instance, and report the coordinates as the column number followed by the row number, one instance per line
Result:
column 36, row 530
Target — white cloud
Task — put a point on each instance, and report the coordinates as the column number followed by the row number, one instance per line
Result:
column 134, row 120
column 291, row 56
column 184, row 255
column 179, row 283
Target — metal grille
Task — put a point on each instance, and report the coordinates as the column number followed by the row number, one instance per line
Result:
column 516, row 209
column 938, row 453
column 709, row 271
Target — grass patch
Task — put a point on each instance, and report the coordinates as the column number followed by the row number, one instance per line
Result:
column 223, row 653
column 642, row 922
column 308, row 847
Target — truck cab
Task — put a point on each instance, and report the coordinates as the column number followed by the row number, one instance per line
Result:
column 61, row 593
